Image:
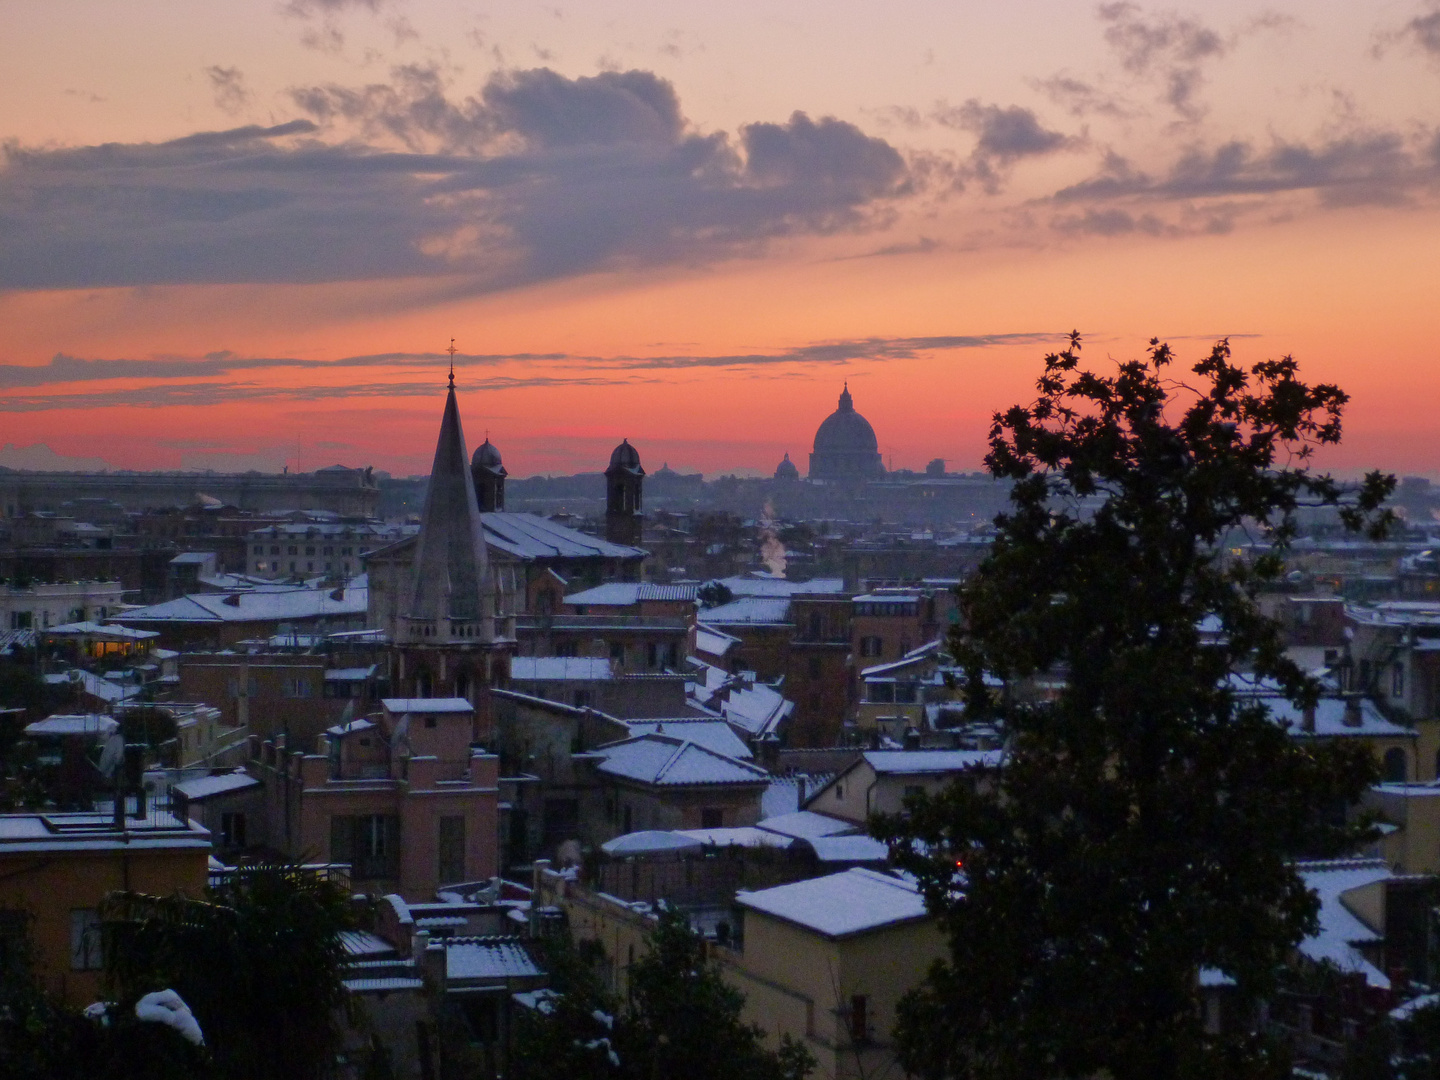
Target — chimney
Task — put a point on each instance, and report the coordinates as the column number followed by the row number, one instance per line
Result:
column 911, row 739
column 233, row 599
column 1307, row 722
column 1352, row 710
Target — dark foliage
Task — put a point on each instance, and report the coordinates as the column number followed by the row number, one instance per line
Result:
column 258, row 961
column 714, row 594
column 1143, row 824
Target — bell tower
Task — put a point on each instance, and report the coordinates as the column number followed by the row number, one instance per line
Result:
column 624, row 490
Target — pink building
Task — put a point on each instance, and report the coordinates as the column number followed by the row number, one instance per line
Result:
column 403, row 798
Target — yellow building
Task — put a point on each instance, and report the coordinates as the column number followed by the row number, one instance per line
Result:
column 55, row 868
column 826, row 962
column 878, row 781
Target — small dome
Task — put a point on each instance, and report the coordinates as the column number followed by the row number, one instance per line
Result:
column 786, row 470
column 486, row 456
column 625, row 456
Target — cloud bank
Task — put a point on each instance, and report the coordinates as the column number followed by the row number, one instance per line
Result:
column 536, row 177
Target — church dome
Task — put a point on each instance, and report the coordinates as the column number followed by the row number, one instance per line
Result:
column 487, row 456
column 625, row 456
column 845, row 445
column 786, row 470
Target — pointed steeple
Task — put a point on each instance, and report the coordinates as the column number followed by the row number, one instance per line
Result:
column 847, row 403
column 451, row 596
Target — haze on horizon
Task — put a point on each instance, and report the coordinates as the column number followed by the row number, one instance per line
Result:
column 230, row 232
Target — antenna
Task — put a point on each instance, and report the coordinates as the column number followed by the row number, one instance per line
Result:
column 451, row 351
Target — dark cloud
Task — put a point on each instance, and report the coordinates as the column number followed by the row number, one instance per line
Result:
column 1424, row 31
column 1081, row 98
column 1375, row 167
column 1003, row 135
column 1174, row 47
column 174, row 379
column 306, row 9
column 538, row 176
column 228, row 86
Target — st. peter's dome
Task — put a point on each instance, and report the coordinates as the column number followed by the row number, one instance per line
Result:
column 845, row 446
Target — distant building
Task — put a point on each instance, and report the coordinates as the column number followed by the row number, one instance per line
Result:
column 786, row 470
column 845, row 446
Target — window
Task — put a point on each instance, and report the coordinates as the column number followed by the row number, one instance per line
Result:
column 293, row 550
column 880, row 692
column 565, row 648
column 617, row 650
column 1395, row 766
column 299, row 687
column 859, row 1019
column 85, row 952
column 814, row 667
column 629, row 825
column 232, row 829
column 370, row 843
column 652, row 655
column 259, row 549
column 21, row 620
column 450, row 846
column 816, row 626
column 275, row 549
column 310, row 550
column 1397, row 680
column 582, row 699
column 712, row 817
column 914, row 791
column 905, row 693
column 429, row 721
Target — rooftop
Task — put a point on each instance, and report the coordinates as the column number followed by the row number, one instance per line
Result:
column 839, row 905
column 918, row 762
column 666, row 761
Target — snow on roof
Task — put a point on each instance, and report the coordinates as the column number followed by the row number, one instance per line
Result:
column 758, row 710
column 910, row 659
column 384, row 984
column 751, row 611
column 364, row 943
column 849, row 849
column 530, row 536
column 102, row 688
column 764, row 585
column 1341, row 930
column 487, row 958
column 627, row 593
column 649, row 841
column 838, row 905
column 744, row 836
column 205, row 786
column 360, row 724
column 713, row 641
column 253, row 605
column 94, row 629
column 398, row 705
column 349, row 674
column 714, row 735
column 73, row 724
column 930, row 761
column 667, row 761
column 546, row 668
column 807, row 825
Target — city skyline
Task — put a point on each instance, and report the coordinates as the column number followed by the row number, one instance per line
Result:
column 232, row 233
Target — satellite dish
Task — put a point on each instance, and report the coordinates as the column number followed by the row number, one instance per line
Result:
column 348, row 713
column 112, row 754
column 402, row 731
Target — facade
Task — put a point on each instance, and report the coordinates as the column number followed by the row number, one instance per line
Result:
column 819, row 676
column 308, row 549
column 885, row 624
column 404, row 799
column 826, row 961
column 55, row 868
column 846, row 449
column 42, row 606
column 878, row 781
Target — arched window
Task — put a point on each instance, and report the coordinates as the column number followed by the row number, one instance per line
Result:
column 1395, row 766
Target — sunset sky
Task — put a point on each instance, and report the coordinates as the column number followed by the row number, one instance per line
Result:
column 241, row 235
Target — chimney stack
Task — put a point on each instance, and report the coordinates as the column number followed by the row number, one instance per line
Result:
column 1352, row 710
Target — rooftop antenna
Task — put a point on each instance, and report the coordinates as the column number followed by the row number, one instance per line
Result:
column 451, row 351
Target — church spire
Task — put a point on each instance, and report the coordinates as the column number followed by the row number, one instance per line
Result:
column 450, row 592
column 847, row 403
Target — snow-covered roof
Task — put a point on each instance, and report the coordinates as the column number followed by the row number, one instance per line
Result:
column 839, row 905
column 628, row 593
column 350, row 726
column 365, row 943
column 73, row 724
column 1330, row 712
column 426, row 706
column 751, row 611
column 487, row 958
column 1341, row 930
column 743, row 836
column 253, row 605
column 849, row 849
column 930, row 761
column 714, row 735
column 349, row 674
column 807, row 825
column 914, row 657
column 530, row 536
column 757, row 710
column 671, row 762
column 758, row 584
column 204, row 787
column 94, row 629
column 713, row 642
column 99, row 687
column 555, row 668
column 648, row 842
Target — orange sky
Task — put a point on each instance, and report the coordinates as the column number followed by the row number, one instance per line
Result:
column 579, row 201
